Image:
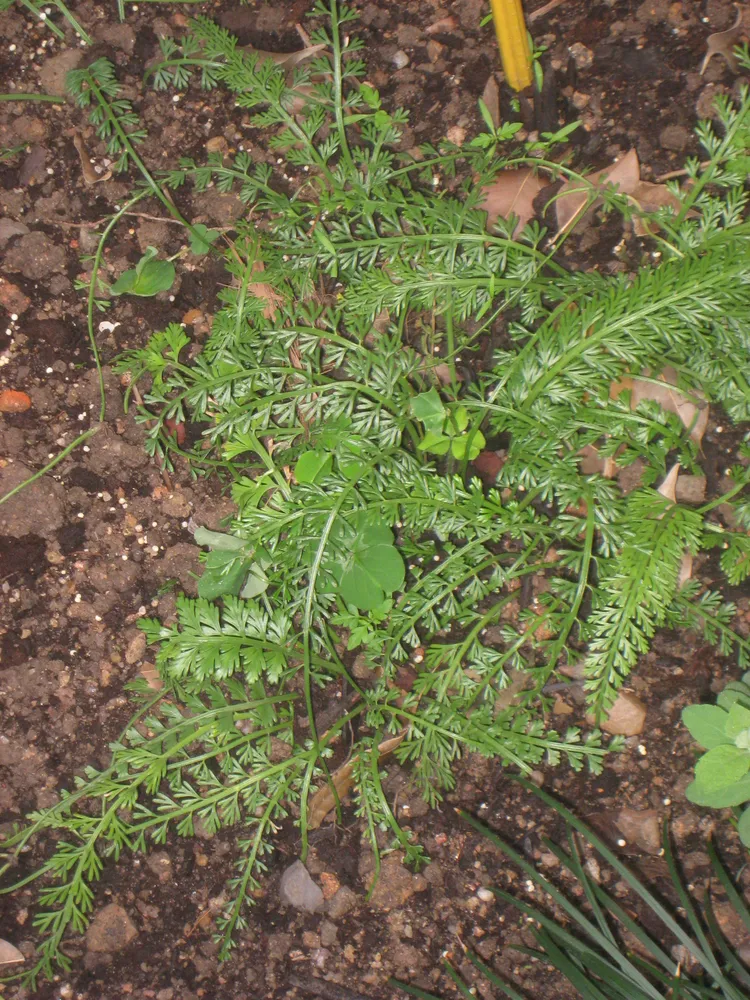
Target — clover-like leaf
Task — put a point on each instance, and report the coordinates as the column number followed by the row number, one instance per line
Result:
column 435, row 442
column 218, row 540
column 256, row 582
column 743, row 827
column 201, row 238
column 475, row 443
column 719, row 798
column 721, row 778
column 371, row 568
column 737, row 722
column 428, row 407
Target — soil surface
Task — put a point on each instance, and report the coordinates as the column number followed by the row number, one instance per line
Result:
column 102, row 540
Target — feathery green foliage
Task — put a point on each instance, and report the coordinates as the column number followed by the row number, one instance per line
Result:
column 373, row 336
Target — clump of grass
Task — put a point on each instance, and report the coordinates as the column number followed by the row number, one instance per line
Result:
column 586, row 946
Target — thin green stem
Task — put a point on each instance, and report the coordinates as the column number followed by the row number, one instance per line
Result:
column 33, row 97
column 338, row 97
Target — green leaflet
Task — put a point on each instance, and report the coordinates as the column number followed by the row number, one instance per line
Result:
column 367, row 566
column 446, row 430
column 147, row 278
column 232, row 567
column 201, row 238
column 707, row 724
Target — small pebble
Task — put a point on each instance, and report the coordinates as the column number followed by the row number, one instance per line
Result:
column 400, row 59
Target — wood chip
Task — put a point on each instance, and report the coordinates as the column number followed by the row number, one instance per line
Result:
column 13, row 401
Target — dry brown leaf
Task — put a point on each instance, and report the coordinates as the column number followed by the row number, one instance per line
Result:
column 88, row 170
column 513, row 193
column 9, row 954
column 287, row 60
column 441, row 371
column 668, row 489
column 323, row 800
column 669, row 486
column 652, row 196
column 649, row 197
column 722, row 43
column 686, row 570
column 592, row 462
column 573, row 197
column 265, row 292
column 693, row 411
column 151, row 676
column 491, row 98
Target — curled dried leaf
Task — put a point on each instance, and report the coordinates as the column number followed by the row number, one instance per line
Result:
column 267, row 293
column 323, row 800
column 491, row 98
column 669, row 486
column 287, row 60
column 722, row 43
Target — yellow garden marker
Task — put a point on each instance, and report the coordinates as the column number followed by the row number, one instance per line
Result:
column 513, row 41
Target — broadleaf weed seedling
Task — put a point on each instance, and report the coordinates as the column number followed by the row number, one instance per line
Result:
column 318, row 406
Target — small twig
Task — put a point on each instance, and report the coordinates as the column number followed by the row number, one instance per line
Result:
column 672, row 174
column 133, row 215
column 303, row 35
column 542, row 11
column 322, row 988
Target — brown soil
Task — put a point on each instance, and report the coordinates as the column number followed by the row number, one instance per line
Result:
column 86, row 550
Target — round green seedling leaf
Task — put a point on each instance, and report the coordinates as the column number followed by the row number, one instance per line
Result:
column 372, row 569
column 313, row 466
column 706, row 725
column 738, row 722
column 722, row 798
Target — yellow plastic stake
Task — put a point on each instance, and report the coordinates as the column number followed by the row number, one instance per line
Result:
column 513, row 41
